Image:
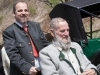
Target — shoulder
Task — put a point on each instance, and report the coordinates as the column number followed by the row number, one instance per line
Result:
column 10, row 28
column 33, row 23
column 76, row 45
column 49, row 49
column 49, row 52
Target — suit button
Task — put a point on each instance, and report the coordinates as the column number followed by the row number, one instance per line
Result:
column 23, row 72
column 72, row 61
column 61, row 58
column 26, row 34
column 29, row 43
column 32, row 61
column 31, row 52
column 20, row 45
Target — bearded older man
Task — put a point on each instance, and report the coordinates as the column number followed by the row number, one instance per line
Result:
column 64, row 57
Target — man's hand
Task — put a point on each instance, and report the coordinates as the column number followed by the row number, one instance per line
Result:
column 33, row 71
column 84, row 73
column 90, row 72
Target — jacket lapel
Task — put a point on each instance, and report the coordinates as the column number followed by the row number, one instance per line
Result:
column 62, row 58
column 74, row 52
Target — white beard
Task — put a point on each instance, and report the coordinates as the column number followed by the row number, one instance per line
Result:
column 64, row 45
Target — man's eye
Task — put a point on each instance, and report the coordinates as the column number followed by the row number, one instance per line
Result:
column 26, row 10
column 62, row 31
column 20, row 10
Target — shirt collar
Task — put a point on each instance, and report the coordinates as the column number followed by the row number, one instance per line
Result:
column 20, row 24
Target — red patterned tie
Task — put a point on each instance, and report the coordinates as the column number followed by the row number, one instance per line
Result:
column 33, row 46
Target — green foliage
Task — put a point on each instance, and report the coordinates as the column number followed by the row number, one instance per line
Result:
column 32, row 10
column 54, row 2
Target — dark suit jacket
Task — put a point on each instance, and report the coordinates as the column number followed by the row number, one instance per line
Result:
column 19, row 49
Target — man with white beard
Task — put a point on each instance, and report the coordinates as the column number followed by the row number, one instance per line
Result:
column 63, row 57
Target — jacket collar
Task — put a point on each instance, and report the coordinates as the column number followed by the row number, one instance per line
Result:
column 17, row 23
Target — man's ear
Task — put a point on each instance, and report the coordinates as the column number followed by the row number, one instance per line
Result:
column 13, row 14
column 52, row 32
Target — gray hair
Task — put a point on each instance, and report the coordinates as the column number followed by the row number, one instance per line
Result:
column 55, row 21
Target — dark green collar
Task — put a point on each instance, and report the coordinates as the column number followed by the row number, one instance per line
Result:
column 62, row 58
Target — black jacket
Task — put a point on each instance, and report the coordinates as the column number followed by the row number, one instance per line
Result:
column 19, row 49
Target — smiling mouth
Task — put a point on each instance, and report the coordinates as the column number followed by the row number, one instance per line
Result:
column 23, row 16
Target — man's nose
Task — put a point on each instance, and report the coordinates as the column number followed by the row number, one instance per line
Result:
column 66, row 33
column 23, row 12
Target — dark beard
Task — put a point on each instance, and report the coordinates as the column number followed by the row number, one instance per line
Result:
column 64, row 45
column 24, row 21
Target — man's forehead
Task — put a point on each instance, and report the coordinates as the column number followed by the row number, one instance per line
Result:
column 62, row 24
column 21, row 5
